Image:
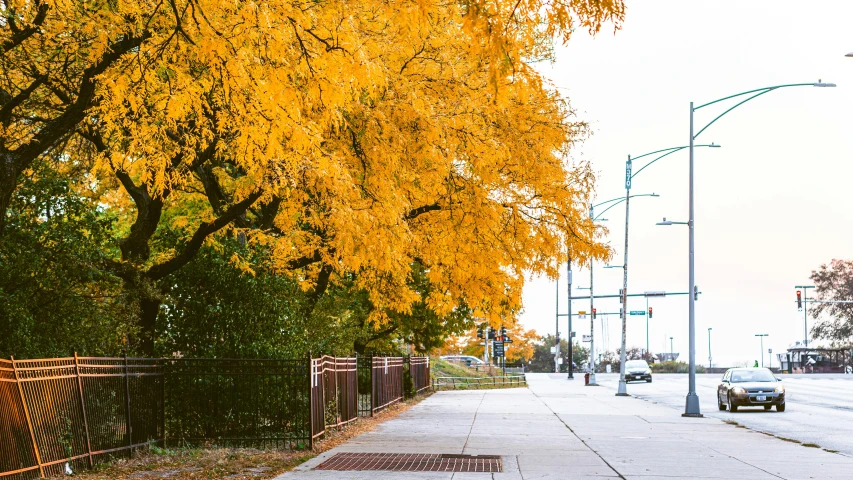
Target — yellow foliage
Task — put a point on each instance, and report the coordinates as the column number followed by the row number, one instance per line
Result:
column 382, row 133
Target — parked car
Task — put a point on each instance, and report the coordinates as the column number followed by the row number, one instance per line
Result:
column 467, row 360
column 638, row 370
column 750, row 387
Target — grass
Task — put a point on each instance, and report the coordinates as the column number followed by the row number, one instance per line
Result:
column 231, row 463
column 443, row 368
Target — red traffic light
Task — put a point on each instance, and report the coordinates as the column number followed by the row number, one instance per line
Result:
column 593, row 313
column 799, row 300
column 650, row 312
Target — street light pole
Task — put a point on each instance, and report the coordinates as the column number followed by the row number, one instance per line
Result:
column 692, row 402
column 691, row 407
column 671, row 351
column 614, row 202
column 623, row 390
column 710, row 363
column 762, row 335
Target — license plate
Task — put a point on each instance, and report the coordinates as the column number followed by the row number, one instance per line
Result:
column 761, row 398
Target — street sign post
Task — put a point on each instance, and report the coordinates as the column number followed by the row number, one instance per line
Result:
column 581, row 314
column 498, row 349
column 637, row 312
column 587, row 338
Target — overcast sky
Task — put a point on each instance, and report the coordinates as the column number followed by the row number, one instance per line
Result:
column 773, row 204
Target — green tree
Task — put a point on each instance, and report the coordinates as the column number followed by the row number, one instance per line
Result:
column 55, row 295
column 833, row 282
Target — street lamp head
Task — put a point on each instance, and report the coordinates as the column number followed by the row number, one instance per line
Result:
column 849, row 54
column 713, row 145
column 654, row 195
column 614, row 266
column 823, row 84
column 664, row 222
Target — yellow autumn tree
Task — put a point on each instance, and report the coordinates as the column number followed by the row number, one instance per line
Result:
column 350, row 138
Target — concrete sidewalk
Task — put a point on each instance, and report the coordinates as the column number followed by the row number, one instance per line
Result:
column 559, row 429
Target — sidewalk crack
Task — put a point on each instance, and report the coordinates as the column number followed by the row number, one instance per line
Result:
column 473, row 422
column 579, row 437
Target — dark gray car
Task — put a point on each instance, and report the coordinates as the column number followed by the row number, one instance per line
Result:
column 750, row 387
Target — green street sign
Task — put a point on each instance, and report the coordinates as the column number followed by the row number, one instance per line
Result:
column 638, row 312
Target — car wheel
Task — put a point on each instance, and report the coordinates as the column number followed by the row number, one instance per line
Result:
column 780, row 407
column 721, row 405
column 732, row 406
column 768, row 407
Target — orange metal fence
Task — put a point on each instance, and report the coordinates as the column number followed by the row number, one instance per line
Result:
column 69, row 413
column 64, row 413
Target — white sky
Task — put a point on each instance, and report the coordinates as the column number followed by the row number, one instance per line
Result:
column 771, row 206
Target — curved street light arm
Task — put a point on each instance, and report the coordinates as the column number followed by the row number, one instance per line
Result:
column 732, row 108
column 674, row 149
column 811, row 84
column 622, row 200
column 761, row 91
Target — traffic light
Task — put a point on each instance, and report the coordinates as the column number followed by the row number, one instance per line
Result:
column 593, row 313
column 480, row 332
column 695, row 293
column 650, row 312
column 799, row 301
column 503, row 331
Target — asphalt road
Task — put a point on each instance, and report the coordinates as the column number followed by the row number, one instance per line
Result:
column 819, row 407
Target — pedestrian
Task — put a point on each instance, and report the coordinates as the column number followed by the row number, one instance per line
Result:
column 756, row 364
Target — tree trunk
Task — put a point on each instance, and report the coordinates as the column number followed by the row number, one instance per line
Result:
column 8, row 183
column 148, row 310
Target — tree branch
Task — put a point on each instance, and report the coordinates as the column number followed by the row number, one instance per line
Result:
column 414, row 213
column 20, row 35
column 202, row 232
column 6, row 110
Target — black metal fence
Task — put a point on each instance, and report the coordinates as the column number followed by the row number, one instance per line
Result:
column 63, row 413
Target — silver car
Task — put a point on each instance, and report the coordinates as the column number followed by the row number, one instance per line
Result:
column 750, row 387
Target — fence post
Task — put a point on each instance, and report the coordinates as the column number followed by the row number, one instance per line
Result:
column 127, row 406
column 83, row 408
column 162, row 368
column 27, row 415
column 310, row 403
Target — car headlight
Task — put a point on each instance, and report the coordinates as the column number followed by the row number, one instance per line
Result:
column 738, row 391
column 780, row 389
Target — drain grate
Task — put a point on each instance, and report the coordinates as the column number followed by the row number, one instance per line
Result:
column 412, row 462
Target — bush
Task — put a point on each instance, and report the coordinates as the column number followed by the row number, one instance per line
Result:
column 674, row 367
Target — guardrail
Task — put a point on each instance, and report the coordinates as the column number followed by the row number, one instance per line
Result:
column 454, row 383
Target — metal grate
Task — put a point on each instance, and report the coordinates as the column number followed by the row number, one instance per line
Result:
column 412, row 462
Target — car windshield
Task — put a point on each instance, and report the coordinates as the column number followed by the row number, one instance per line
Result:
column 637, row 364
column 742, row 376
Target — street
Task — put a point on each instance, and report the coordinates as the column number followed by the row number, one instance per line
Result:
column 819, row 408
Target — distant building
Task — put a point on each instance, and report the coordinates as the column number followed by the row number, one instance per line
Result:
column 667, row 357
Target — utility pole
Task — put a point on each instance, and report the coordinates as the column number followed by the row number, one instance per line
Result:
column 762, row 335
column 710, row 363
column 570, row 334
column 805, row 304
column 671, row 351
column 591, row 328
